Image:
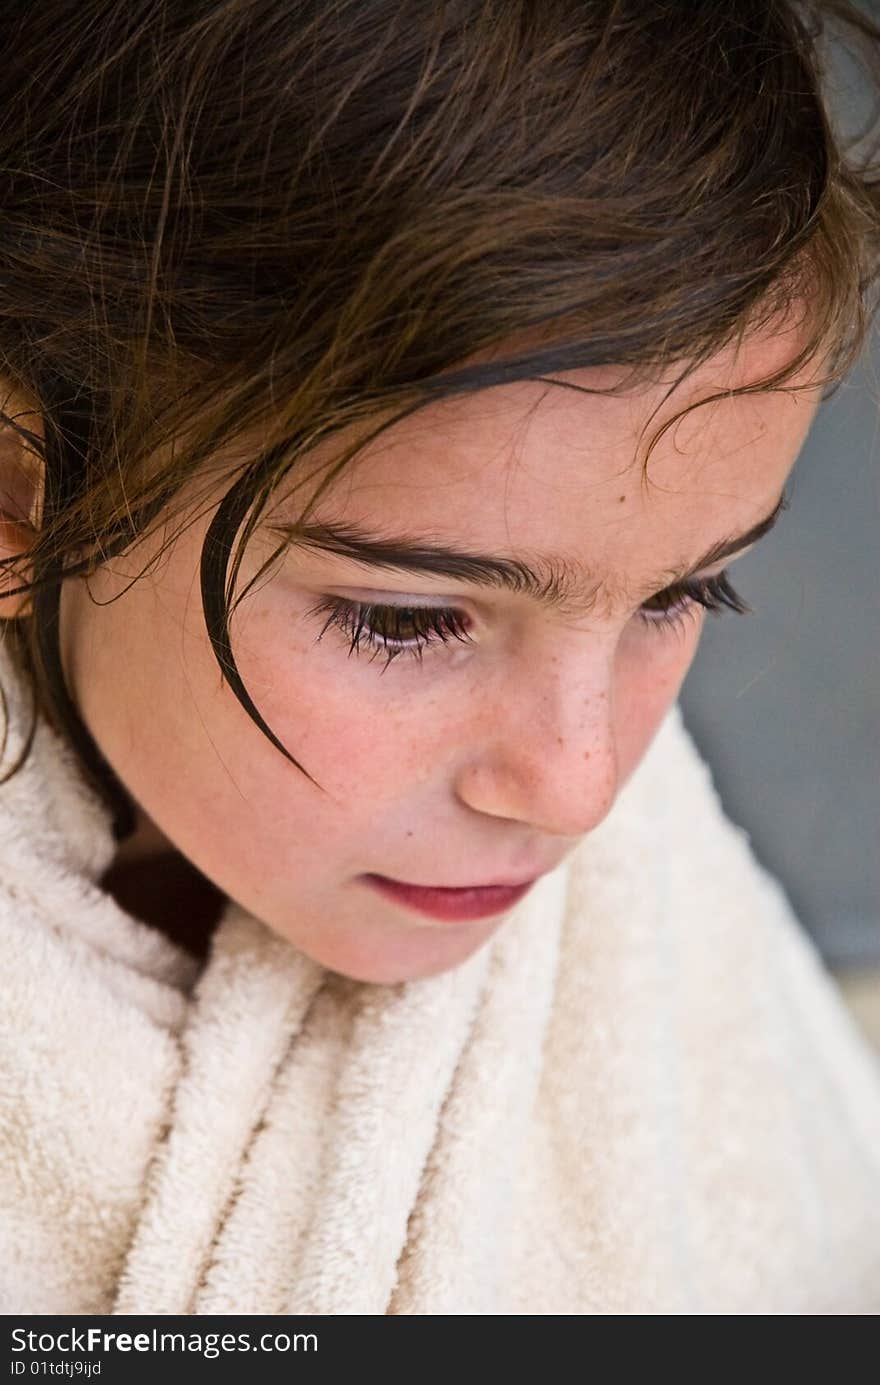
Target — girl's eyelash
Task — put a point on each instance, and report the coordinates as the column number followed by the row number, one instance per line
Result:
column 675, row 605
column 383, row 629
column 378, row 628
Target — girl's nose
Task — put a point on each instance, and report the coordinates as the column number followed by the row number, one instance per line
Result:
column 547, row 755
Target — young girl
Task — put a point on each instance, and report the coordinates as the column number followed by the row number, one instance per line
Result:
column 388, row 388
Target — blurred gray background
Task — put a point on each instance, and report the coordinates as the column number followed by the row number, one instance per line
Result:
column 785, row 704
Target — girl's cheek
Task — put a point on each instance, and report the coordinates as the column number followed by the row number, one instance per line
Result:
column 357, row 740
column 650, row 670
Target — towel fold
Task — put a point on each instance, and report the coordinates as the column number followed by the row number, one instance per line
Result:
column 643, row 1095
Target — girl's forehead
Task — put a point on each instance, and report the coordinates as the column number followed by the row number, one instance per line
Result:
column 562, row 432
column 607, row 399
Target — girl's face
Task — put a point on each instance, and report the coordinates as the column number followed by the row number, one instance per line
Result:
column 485, row 757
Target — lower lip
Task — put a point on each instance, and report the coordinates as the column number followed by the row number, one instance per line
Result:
column 452, row 905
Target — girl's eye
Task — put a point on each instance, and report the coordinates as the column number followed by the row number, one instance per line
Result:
column 671, row 608
column 391, row 630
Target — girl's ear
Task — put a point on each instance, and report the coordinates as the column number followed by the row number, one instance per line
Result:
column 21, row 494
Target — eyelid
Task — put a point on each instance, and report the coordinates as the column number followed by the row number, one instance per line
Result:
column 375, row 596
column 715, row 569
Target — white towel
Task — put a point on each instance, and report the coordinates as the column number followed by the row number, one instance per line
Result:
column 644, row 1095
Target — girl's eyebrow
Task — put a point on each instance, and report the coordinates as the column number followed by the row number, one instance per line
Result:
column 552, row 582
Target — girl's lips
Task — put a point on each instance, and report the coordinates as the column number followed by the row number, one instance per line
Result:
column 452, row 905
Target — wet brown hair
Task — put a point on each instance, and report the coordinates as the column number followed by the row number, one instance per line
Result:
column 280, row 218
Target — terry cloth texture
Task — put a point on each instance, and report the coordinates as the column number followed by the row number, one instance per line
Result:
column 643, row 1096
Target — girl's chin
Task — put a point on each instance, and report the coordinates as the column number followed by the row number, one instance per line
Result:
column 424, row 950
